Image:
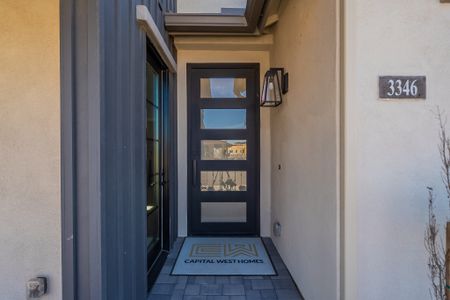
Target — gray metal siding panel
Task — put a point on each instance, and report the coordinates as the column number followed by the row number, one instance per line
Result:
column 67, row 153
column 103, row 147
column 81, row 102
column 124, row 60
column 124, row 57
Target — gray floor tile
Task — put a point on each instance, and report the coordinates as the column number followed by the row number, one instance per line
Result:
column 236, row 280
column 280, row 287
column 233, row 289
column 254, row 277
column 262, row 284
column 170, row 261
column 211, row 289
column 217, row 298
column 222, row 279
column 166, row 269
column 194, row 298
column 180, row 286
column 247, row 284
column 162, row 289
column 166, row 278
column 177, row 295
column 237, row 298
column 268, row 295
column 181, row 282
column 191, row 279
column 288, row 295
column 192, row 289
column 205, row 280
column 282, row 274
column 159, row 297
column 284, row 284
column 252, row 295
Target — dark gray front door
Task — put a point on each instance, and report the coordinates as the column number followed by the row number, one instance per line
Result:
column 223, row 149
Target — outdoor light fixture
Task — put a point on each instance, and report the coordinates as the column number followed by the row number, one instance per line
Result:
column 275, row 85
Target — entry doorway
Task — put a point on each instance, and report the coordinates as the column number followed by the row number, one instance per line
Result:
column 223, row 150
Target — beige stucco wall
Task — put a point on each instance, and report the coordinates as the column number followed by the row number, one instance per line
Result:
column 212, row 51
column 305, row 139
column 29, row 146
column 391, row 146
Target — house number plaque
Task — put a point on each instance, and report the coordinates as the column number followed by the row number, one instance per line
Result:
column 402, row 87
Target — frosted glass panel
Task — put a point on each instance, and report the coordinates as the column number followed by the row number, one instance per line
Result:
column 223, row 181
column 223, row 212
column 224, row 149
column 223, row 88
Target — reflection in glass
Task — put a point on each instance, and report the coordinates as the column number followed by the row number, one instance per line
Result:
column 224, row 149
column 223, row 212
column 152, row 85
column 223, row 119
column 153, row 159
column 152, row 229
column 223, row 181
column 152, row 121
column 224, row 7
column 223, row 88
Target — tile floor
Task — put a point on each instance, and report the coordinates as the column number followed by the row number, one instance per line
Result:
column 280, row 287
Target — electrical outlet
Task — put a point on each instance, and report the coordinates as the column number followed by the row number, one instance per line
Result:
column 36, row 287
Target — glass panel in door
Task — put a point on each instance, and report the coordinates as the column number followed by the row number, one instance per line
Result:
column 153, row 206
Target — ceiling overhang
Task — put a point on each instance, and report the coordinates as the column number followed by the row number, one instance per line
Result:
column 184, row 23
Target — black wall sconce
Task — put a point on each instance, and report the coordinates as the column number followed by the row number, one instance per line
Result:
column 276, row 84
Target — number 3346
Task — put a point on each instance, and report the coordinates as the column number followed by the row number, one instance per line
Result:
column 402, row 88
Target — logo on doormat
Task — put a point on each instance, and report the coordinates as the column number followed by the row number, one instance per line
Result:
column 224, row 250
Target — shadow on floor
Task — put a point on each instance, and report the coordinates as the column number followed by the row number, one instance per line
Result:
column 280, row 287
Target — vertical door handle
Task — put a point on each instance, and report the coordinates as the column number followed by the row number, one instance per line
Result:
column 194, row 173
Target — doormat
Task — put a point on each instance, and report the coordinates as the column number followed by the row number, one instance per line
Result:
column 223, row 256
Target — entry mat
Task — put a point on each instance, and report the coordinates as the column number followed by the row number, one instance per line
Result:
column 223, row 256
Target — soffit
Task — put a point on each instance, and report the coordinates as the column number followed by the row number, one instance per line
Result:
column 232, row 43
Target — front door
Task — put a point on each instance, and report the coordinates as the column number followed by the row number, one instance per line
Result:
column 223, row 149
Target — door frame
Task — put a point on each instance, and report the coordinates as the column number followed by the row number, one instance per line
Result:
column 256, row 69
column 165, row 208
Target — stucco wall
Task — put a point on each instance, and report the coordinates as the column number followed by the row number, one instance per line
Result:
column 391, row 146
column 304, row 131
column 29, row 146
column 216, row 56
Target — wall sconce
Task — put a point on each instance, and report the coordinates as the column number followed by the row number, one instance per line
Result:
column 276, row 84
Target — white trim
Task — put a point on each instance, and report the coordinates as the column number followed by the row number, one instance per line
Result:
column 145, row 19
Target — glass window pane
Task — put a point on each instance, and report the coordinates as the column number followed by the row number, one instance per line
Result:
column 152, row 122
column 152, row 207
column 223, row 212
column 224, row 149
column 152, row 158
column 223, row 119
column 225, row 7
column 152, row 85
column 223, row 181
column 152, row 228
column 153, row 193
column 223, row 88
